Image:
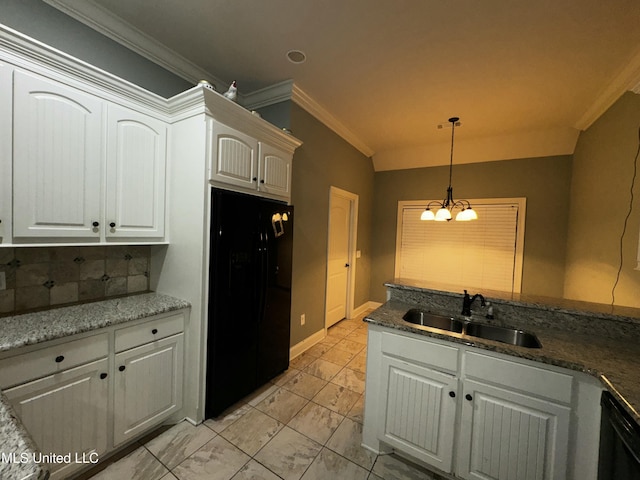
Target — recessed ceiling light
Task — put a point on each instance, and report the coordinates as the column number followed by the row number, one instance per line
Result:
column 296, row 56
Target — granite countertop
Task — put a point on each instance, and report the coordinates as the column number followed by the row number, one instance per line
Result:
column 615, row 362
column 32, row 328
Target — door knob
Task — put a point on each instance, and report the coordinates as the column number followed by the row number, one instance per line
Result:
column 346, row 264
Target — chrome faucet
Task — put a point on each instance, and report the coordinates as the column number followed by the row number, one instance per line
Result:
column 468, row 300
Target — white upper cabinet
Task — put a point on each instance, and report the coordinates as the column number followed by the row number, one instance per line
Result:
column 136, row 159
column 246, row 163
column 57, row 158
column 275, row 171
column 234, row 157
column 6, row 106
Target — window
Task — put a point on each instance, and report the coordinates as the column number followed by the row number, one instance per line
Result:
column 484, row 253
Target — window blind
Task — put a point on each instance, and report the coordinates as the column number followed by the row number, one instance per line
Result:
column 483, row 253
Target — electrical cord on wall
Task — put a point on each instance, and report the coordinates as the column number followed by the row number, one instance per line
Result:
column 626, row 219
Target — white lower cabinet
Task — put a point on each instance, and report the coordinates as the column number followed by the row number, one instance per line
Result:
column 476, row 414
column 82, row 398
column 148, row 386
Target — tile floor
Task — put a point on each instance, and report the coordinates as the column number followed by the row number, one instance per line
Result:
column 306, row 424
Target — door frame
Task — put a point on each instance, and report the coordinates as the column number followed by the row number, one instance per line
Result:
column 353, row 242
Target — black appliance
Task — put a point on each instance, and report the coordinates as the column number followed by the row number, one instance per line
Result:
column 619, row 442
column 249, row 296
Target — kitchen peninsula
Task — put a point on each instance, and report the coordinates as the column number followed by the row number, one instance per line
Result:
column 471, row 390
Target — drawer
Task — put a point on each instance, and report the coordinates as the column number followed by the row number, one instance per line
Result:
column 424, row 351
column 536, row 381
column 140, row 334
column 23, row 368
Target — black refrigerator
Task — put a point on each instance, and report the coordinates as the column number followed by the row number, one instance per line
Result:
column 249, row 321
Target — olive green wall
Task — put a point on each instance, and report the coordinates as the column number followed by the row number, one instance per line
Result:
column 543, row 181
column 600, row 198
column 324, row 160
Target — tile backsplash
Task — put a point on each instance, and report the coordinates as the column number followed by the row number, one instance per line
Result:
column 41, row 277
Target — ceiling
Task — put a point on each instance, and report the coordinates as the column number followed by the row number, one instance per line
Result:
column 524, row 76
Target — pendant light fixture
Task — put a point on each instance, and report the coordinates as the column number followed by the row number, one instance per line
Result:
column 448, row 204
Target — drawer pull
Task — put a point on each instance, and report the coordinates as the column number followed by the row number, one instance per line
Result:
column 59, row 358
column 452, row 394
column 468, row 397
column 121, row 368
column 154, row 331
column 103, row 376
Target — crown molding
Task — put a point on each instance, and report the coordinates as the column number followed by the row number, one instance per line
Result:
column 113, row 27
column 301, row 98
column 627, row 80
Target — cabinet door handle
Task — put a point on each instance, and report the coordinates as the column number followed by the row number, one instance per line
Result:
column 468, row 397
column 59, row 358
column 121, row 368
column 254, row 179
column 112, row 224
column 154, row 331
column 96, row 224
column 103, row 376
column 452, row 394
column 262, row 181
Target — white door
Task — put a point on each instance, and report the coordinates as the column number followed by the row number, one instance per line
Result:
column 136, row 159
column 510, row 436
column 148, row 386
column 66, row 412
column 234, row 158
column 342, row 220
column 57, row 160
column 6, row 122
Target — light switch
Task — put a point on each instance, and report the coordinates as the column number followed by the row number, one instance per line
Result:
column 358, row 253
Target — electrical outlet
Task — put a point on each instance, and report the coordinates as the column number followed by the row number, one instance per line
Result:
column 302, row 319
column 3, row 281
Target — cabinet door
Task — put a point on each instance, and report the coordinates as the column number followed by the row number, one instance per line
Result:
column 66, row 413
column 419, row 412
column 234, row 158
column 510, row 436
column 148, row 386
column 136, row 161
column 275, row 171
column 57, row 159
column 6, row 106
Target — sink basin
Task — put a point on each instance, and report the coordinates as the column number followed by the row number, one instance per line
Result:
column 427, row 319
column 511, row 336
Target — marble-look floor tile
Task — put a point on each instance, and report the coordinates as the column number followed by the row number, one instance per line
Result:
column 227, row 417
column 138, row 465
column 302, row 360
column 169, row 476
column 338, row 356
column 252, row 431
column 330, row 465
column 350, row 379
column 347, row 441
column 373, row 476
column 392, row 467
column 217, row 460
column 359, row 362
column 288, row 454
column 177, row 443
column 330, row 340
column 337, row 398
column 282, row 405
column 316, row 422
column 323, row 369
column 320, row 349
column 286, row 376
column 255, row 471
column 359, row 336
column 305, row 385
column 261, row 393
column 357, row 411
column 350, row 345
column 338, row 331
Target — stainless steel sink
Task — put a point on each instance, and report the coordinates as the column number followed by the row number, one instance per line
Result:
column 511, row 336
column 428, row 319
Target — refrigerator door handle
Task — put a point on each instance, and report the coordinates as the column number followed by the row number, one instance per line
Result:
column 263, row 261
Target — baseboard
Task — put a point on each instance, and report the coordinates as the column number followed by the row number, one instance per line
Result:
column 306, row 344
column 364, row 307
